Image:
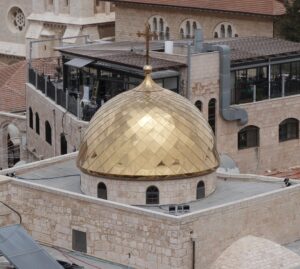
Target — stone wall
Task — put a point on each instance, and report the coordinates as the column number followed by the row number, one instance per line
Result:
column 154, row 240
column 271, row 154
column 131, row 192
column 131, row 18
column 60, row 120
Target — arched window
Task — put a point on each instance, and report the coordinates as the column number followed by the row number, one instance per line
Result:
column 102, row 191
column 37, row 123
column 248, row 137
column 288, row 129
column 229, row 31
column 222, row 31
column 161, row 25
column 181, row 33
column 63, row 144
column 188, row 29
column 212, row 114
column 48, row 132
column 155, row 24
column 152, row 196
column 198, row 104
column 30, row 118
column 200, row 190
column 167, row 33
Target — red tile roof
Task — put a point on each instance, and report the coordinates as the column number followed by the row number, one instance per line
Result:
column 260, row 7
column 12, row 87
column 293, row 173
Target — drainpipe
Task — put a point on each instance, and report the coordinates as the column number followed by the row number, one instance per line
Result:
column 54, row 132
column 228, row 113
column 188, row 80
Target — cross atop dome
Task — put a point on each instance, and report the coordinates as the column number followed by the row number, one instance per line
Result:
column 147, row 34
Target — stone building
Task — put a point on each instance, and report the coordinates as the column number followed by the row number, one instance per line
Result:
column 140, row 145
column 237, row 91
column 28, row 20
column 178, row 19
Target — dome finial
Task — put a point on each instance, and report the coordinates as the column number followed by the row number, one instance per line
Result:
column 147, row 69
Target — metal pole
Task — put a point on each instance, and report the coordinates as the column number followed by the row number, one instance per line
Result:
column 282, row 86
column 269, row 78
column 254, row 92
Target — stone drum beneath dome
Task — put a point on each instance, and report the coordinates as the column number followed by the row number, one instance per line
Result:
column 148, row 145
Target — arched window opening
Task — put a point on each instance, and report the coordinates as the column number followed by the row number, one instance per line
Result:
column 288, row 130
column 152, row 196
column 155, row 24
column 102, row 191
column 198, row 104
column 63, row 144
column 30, row 118
column 222, row 31
column 181, row 33
column 48, row 132
column 229, row 31
column 212, row 114
column 225, row 30
column 167, row 33
column 248, row 137
column 161, row 25
column 37, row 123
column 13, row 145
column 200, row 190
column 188, row 29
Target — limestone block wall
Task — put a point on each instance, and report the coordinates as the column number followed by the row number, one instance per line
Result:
column 271, row 154
column 175, row 191
column 131, row 18
column 60, row 121
column 154, row 240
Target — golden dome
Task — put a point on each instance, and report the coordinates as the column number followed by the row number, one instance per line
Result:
column 148, row 133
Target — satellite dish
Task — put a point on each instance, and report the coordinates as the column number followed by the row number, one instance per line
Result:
column 227, row 165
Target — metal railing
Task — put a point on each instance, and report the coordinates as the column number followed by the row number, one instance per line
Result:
column 53, row 90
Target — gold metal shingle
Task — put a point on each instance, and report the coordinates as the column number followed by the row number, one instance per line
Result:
column 147, row 133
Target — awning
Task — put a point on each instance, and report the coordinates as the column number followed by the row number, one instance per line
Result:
column 22, row 251
column 79, row 62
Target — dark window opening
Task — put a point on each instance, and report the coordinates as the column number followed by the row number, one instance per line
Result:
column 37, row 123
column 152, row 196
column 200, row 190
column 79, row 241
column 212, row 114
column 48, row 132
column 102, row 191
column 248, row 137
column 30, row 118
column 198, row 104
column 288, row 130
column 63, row 144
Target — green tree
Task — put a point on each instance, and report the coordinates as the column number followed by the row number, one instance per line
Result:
column 289, row 24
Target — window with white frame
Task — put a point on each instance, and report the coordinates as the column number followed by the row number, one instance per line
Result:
column 159, row 26
column 225, row 30
column 188, row 28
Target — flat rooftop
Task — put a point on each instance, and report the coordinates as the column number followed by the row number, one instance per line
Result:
column 64, row 175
